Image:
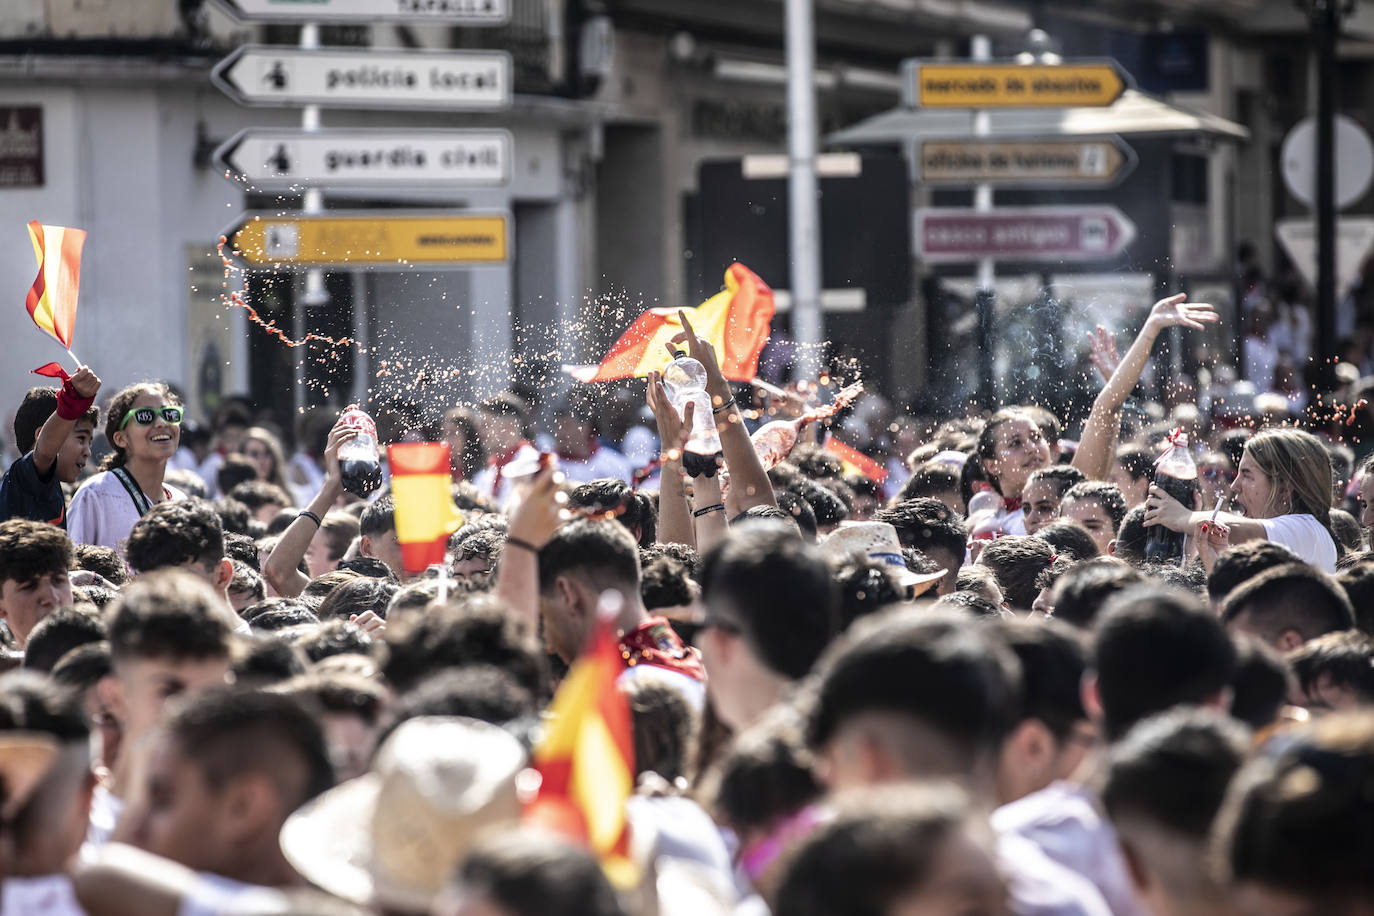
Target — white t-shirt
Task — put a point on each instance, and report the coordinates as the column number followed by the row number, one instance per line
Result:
column 49, row 895
column 601, row 464
column 1062, row 820
column 106, row 809
column 1305, row 536
column 102, row 512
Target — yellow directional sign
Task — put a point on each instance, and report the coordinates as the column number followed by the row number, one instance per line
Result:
column 376, row 239
column 1068, row 161
column 979, row 84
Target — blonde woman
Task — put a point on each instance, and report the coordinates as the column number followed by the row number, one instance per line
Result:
column 1283, row 487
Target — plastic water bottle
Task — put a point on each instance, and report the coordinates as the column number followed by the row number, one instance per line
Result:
column 1175, row 474
column 684, row 381
column 359, row 462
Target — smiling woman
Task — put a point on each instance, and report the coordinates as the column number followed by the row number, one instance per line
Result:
column 143, row 428
column 1011, row 448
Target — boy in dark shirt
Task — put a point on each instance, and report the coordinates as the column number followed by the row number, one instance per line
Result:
column 53, row 428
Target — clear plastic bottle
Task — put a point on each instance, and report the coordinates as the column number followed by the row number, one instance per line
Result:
column 684, row 381
column 359, row 462
column 1175, row 474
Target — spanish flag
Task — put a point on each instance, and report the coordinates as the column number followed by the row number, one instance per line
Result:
column 52, row 298
column 586, row 759
column 735, row 320
column 425, row 514
column 856, row 462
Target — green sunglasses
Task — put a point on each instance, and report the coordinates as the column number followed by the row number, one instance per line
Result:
column 147, row 416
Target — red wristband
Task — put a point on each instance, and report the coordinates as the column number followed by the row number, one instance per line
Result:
column 70, row 405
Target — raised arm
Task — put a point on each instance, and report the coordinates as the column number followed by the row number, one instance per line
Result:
column 282, row 567
column 72, row 402
column 531, row 525
column 1103, row 426
column 749, row 483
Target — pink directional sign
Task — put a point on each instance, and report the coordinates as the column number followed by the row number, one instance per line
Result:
column 1088, row 233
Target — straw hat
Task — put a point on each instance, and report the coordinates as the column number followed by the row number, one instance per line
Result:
column 877, row 541
column 392, row 837
column 24, row 760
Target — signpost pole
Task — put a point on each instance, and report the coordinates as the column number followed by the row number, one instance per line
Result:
column 314, row 293
column 803, row 191
column 1325, row 16
column 984, row 299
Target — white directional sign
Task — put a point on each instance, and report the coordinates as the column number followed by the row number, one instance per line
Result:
column 280, row 159
column 452, row 12
column 366, row 78
column 1354, row 243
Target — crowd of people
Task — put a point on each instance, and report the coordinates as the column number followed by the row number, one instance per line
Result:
column 1010, row 672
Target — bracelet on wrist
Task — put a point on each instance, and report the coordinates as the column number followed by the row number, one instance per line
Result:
column 306, row 513
column 707, row 510
column 724, row 406
column 524, row 545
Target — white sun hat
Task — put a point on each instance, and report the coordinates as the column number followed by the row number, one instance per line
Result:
column 393, row 837
column 876, row 541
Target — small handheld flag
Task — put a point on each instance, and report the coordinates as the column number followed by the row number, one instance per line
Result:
column 51, row 301
column 855, row 461
column 586, row 759
column 735, row 320
column 425, row 514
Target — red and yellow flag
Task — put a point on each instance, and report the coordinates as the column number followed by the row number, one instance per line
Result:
column 587, row 759
column 855, row 461
column 735, row 320
column 425, row 514
column 52, row 298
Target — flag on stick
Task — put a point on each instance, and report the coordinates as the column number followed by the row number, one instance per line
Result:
column 51, row 301
column 735, row 320
column 586, row 759
column 425, row 514
column 855, row 461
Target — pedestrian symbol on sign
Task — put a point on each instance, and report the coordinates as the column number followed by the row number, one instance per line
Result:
column 1093, row 234
column 276, row 77
column 280, row 160
column 283, row 240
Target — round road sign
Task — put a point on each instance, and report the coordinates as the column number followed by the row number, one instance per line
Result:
column 1354, row 161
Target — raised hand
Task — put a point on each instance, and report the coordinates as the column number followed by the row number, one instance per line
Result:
column 1102, row 351
column 673, row 431
column 1174, row 310
column 337, row 437
column 700, row 349
column 542, row 510
column 85, row 383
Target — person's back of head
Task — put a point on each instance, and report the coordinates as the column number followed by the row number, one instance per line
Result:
column 176, row 533
column 892, row 851
column 601, row 554
column 1293, row 834
column 1153, row 649
column 166, row 614
column 1131, row 536
column 357, row 596
column 665, row 729
column 59, row 633
column 378, row 518
column 1335, row 671
column 103, row 561
column 1237, row 565
column 792, row 504
column 932, row 480
column 937, row 692
column 235, row 470
column 245, row 745
column 1017, row 561
column 1261, row 685
column 257, row 494
column 1288, row 605
column 528, row 873
column 931, row 527
column 1347, row 530
column 1357, row 581
column 475, row 631
column 866, row 586
column 1050, row 738
column 1069, row 538
column 1162, row 788
column 267, row 660
column 1083, row 589
column 614, row 499
column 332, row 637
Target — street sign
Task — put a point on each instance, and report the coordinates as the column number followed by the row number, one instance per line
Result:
column 281, row 159
column 1027, row 163
column 1087, row 233
column 1354, row 161
column 993, row 84
column 1354, row 242
column 344, row 12
column 402, row 240
column 366, row 78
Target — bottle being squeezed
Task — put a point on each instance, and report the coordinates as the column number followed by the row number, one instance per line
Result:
column 359, row 463
column 1175, row 474
column 684, row 381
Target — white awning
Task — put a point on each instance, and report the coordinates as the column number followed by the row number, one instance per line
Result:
column 1134, row 114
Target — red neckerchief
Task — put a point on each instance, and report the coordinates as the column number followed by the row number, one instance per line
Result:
column 593, row 446
column 654, row 642
column 1011, row 503
column 498, row 461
